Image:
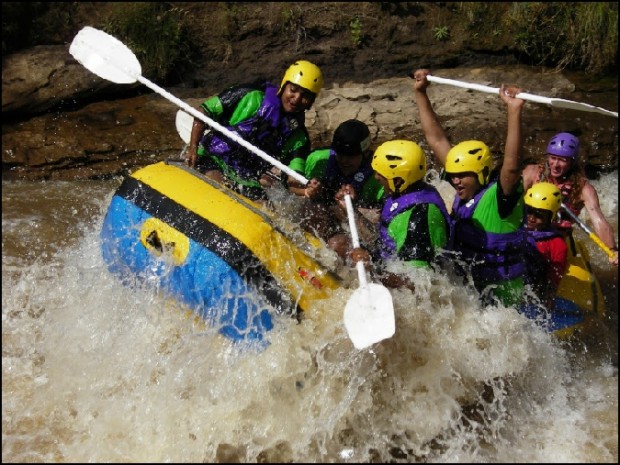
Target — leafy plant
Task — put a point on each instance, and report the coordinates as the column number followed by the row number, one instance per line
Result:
column 291, row 18
column 357, row 34
column 585, row 34
column 154, row 31
column 441, row 33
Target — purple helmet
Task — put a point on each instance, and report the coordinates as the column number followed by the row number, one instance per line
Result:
column 564, row 145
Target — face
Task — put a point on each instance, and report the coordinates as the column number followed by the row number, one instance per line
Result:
column 296, row 99
column 537, row 219
column 558, row 166
column 466, row 184
column 383, row 181
column 349, row 164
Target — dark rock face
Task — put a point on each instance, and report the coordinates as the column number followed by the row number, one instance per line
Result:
column 62, row 122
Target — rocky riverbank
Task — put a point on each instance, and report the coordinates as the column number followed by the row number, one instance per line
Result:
column 61, row 122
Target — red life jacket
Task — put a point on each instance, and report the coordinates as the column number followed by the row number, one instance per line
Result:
column 566, row 188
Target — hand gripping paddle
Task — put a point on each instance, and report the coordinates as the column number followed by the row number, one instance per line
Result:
column 554, row 102
column 369, row 313
column 597, row 240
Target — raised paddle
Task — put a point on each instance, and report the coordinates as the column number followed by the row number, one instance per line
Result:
column 369, row 312
column 597, row 240
column 554, row 102
column 110, row 59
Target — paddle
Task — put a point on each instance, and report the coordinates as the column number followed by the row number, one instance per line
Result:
column 369, row 312
column 554, row 102
column 597, row 240
column 184, row 123
column 110, row 59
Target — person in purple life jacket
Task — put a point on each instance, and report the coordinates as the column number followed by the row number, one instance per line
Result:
column 488, row 234
column 344, row 164
column 414, row 224
column 270, row 117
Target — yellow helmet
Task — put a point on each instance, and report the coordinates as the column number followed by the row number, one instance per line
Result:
column 305, row 74
column 400, row 159
column 471, row 156
column 544, row 196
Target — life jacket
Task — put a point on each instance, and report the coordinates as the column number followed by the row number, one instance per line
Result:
column 489, row 257
column 268, row 129
column 333, row 178
column 537, row 269
column 395, row 206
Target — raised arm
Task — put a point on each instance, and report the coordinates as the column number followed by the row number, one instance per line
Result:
column 510, row 174
column 433, row 131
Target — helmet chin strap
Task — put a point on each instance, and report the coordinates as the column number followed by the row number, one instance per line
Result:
column 397, row 183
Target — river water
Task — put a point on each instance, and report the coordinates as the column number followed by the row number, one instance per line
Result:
column 95, row 371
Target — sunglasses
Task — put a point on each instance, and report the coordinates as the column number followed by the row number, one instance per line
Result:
column 537, row 212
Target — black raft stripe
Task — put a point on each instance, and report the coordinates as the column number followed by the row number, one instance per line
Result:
column 217, row 240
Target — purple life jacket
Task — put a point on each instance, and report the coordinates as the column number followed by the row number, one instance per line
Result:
column 395, row 206
column 490, row 257
column 267, row 129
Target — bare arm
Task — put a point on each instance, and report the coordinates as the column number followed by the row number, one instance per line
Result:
column 601, row 226
column 530, row 176
column 510, row 174
column 433, row 131
column 197, row 130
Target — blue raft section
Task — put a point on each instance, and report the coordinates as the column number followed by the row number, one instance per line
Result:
column 205, row 282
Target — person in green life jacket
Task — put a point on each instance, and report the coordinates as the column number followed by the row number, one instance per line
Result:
column 270, row 117
column 344, row 164
column 414, row 225
column 488, row 233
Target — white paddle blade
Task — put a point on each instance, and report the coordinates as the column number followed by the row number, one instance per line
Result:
column 561, row 103
column 184, row 123
column 105, row 56
column 554, row 102
column 369, row 315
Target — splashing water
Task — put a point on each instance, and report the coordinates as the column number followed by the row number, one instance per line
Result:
column 96, row 371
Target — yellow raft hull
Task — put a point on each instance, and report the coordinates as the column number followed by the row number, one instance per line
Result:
column 214, row 250
column 579, row 291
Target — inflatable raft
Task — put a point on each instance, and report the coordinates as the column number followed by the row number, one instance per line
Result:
column 212, row 249
column 579, row 301
column 233, row 264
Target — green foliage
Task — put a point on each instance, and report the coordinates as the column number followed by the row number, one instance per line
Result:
column 154, row 31
column 167, row 38
column 357, row 33
column 291, row 18
column 567, row 34
column 26, row 23
column 475, row 13
column 441, row 33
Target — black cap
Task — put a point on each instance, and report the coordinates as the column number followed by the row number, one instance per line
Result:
column 351, row 138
